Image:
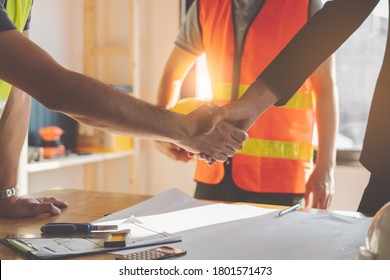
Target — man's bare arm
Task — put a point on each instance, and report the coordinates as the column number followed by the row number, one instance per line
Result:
column 28, row 67
column 13, row 130
column 321, row 181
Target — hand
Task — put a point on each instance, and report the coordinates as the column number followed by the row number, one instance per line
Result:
column 321, row 186
column 173, row 151
column 240, row 113
column 244, row 112
column 20, row 207
column 207, row 134
column 209, row 160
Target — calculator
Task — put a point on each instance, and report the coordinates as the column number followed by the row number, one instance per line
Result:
column 160, row 253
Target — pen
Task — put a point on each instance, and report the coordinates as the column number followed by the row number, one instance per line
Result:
column 68, row 228
column 289, row 210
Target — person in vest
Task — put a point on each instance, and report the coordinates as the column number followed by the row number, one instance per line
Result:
column 240, row 38
column 326, row 31
column 26, row 70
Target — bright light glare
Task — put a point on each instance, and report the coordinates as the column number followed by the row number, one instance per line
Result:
column 203, row 85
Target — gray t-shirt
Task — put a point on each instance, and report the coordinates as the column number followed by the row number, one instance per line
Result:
column 244, row 11
column 5, row 23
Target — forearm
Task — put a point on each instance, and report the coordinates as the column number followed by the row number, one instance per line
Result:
column 167, row 100
column 256, row 100
column 79, row 96
column 314, row 43
column 321, row 181
column 327, row 123
column 327, row 113
column 13, row 130
column 168, row 90
column 175, row 71
column 28, row 67
column 102, row 106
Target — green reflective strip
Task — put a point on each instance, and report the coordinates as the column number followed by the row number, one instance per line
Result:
column 5, row 89
column 18, row 11
column 277, row 149
column 242, row 89
column 299, row 100
column 222, row 91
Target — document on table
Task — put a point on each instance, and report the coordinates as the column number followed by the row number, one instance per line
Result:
column 202, row 216
column 62, row 247
column 208, row 232
column 175, row 212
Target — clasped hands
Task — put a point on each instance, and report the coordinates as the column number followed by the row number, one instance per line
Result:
column 214, row 134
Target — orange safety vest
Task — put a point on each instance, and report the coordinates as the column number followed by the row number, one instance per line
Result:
column 278, row 156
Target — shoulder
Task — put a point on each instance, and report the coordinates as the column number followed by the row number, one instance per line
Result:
column 190, row 34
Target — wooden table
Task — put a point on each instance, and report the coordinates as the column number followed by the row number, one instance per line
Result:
column 84, row 206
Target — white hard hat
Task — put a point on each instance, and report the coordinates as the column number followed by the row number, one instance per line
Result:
column 378, row 237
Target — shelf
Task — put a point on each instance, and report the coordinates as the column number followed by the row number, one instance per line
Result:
column 74, row 160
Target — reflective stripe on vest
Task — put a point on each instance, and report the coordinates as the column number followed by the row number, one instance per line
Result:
column 18, row 11
column 271, row 148
column 300, row 100
column 277, row 149
column 277, row 157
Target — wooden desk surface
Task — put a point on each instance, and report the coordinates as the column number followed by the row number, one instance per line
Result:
column 84, row 206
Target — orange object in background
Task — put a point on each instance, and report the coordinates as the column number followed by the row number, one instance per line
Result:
column 52, row 146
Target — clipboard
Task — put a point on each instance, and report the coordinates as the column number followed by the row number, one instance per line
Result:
column 62, row 247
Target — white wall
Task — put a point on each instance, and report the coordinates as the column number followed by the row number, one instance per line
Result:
column 159, row 24
column 57, row 27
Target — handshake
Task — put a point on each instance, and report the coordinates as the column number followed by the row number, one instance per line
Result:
column 211, row 133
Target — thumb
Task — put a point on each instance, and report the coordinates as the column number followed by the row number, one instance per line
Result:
column 217, row 114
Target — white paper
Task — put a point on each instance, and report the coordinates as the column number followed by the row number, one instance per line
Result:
column 201, row 216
